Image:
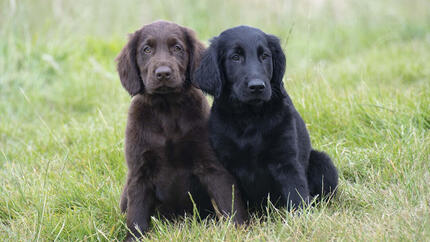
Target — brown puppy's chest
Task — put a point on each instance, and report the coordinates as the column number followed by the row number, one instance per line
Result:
column 171, row 129
column 172, row 126
column 167, row 125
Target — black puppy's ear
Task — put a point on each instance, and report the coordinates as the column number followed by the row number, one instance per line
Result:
column 195, row 52
column 279, row 62
column 207, row 76
column 127, row 66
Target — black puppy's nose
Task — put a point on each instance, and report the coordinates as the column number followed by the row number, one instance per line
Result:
column 163, row 73
column 256, row 86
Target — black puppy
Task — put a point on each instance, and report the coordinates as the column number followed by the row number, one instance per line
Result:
column 255, row 130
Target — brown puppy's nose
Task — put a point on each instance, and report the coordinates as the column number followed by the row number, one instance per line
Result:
column 163, row 73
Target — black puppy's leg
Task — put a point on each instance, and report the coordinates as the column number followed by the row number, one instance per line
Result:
column 322, row 174
column 223, row 189
column 123, row 201
column 293, row 182
column 140, row 207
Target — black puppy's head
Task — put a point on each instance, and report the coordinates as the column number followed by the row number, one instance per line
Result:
column 244, row 64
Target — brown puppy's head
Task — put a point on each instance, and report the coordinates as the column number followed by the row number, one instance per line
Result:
column 159, row 58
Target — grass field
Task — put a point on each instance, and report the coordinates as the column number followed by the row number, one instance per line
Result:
column 358, row 72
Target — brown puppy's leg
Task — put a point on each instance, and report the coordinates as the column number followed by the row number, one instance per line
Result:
column 222, row 188
column 140, row 207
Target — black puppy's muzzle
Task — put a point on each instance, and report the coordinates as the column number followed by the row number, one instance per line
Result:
column 256, row 86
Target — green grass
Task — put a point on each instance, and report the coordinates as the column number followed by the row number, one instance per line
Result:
column 358, row 72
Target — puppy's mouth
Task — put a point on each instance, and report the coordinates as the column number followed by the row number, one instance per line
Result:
column 256, row 101
column 165, row 90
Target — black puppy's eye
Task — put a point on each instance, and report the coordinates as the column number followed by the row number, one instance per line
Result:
column 265, row 56
column 235, row 57
column 147, row 49
column 177, row 48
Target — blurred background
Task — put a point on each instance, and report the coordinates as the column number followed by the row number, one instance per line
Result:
column 358, row 72
column 57, row 46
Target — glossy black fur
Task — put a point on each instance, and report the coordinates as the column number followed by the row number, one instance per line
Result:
column 260, row 137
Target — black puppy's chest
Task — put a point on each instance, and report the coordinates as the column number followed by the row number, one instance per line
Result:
column 243, row 155
column 247, row 141
column 242, row 145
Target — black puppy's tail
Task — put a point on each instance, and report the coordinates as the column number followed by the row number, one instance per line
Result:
column 322, row 175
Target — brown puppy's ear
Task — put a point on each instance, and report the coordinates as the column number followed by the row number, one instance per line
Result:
column 127, row 66
column 208, row 75
column 279, row 62
column 195, row 52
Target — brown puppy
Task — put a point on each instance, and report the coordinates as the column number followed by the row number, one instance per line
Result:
column 166, row 145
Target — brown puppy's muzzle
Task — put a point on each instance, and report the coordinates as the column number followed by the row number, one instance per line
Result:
column 163, row 73
column 164, row 78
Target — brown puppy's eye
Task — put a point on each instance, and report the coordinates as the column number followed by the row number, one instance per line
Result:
column 177, row 48
column 235, row 57
column 147, row 50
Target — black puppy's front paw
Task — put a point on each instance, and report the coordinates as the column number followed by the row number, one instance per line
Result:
column 131, row 238
column 296, row 201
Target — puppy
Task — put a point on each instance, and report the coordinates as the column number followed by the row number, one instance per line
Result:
column 166, row 143
column 256, row 132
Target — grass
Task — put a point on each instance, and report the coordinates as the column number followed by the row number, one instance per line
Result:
column 358, row 72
